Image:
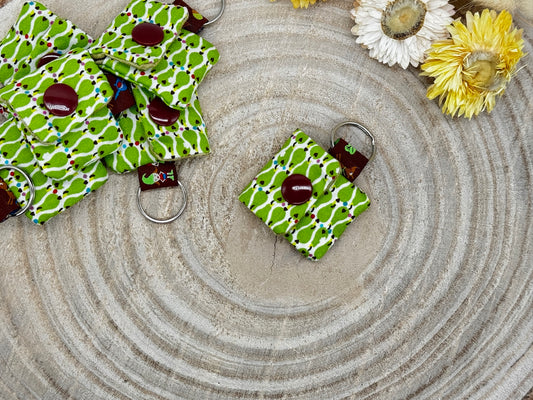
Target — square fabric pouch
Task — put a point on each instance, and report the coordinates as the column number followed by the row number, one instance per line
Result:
column 155, row 132
column 302, row 195
column 333, row 212
column 141, row 34
column 38, row 35
column 51, row 196
column 173, row 132
column 291, row 184
column 62, row 110
column 177, row 76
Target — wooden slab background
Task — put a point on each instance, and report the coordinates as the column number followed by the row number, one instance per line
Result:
column 428, row 295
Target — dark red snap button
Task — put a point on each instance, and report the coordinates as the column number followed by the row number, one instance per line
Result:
column 47, row 58
column 162, row 114
column 297, row 189
column 60, row 99
column 147, row 34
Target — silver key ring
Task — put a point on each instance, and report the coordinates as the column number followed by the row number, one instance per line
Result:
column 361, row 128
column 163, row 221
column 222, row 8
column 30, row 183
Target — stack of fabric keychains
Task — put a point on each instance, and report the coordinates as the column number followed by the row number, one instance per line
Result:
column 75, row 105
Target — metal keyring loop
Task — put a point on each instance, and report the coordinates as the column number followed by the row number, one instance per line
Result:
column 163, row 221
column 30, row 183
column 361, row 128
column 222, row 8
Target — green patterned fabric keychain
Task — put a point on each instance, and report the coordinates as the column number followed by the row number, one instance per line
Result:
column 37, row 35
column 165, row 124
column 171, row 64
column 302, row 194
column 64, row 142
column 165, row 86
column 64, row 168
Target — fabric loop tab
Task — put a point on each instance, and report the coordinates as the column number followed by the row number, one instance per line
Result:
column 154, row 176
column 196, row 21
column 351, row 160
column 157, row 175
column 122, row 94
column 8, row 204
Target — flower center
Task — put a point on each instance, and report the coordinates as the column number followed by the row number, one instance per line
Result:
column 481, row 70
column 402, row 19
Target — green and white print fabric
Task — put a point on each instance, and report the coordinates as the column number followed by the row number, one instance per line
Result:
column 99, row 136
column 177, row 76
column 145, row 142
column 134, row 150
column 62, row 37
column 299, row 155
column 333, row 212
column 62, row 154
column 64, row 145
column 312, row 227
column 186, row 138
column 77, row 70
column 117, row 43
column 51, row 196
column 23, row 37
column 36, row 33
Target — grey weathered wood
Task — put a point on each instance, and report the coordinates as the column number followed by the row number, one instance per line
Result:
column 428, row 294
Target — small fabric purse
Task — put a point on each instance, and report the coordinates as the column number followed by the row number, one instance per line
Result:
column 154, row 132
column 302, row 195
column 37, row 37
column 172, row 65
column 165, row 122
column 61, row 109
column 300, row 163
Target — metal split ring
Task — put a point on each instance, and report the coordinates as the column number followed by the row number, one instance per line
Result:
column 361, row 128
column 222, row 8
column 30, row 183
column 163, row 221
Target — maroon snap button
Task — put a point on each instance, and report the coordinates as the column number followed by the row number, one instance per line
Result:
column 297, row 189
column 162, row 114
column 60, row 99
column 47, row 58
column 147, row 34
